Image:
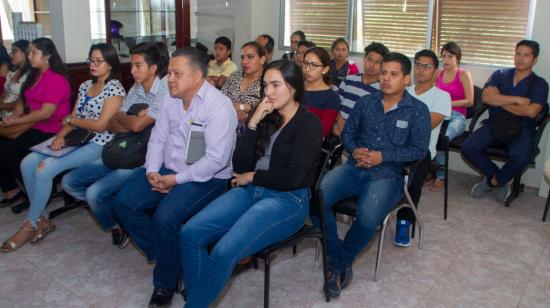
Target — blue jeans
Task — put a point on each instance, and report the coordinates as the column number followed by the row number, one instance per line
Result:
column 157, row 236
column 39, row 179
column 457, row 126
column 520, row 152
column 376, row 198
column 241, row 222
column 98, row 184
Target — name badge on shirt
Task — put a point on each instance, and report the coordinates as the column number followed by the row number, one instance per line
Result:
column 402, row 124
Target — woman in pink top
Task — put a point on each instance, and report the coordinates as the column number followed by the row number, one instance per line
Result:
column 46, row 92
column 98, row 101
column 458, row 83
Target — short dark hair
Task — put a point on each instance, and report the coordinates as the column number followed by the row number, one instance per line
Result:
column 338, row 41
column 428, row 54
column 308, row 44
column 164, row 59
column 299, row 33
column 109, row 54
column 224, row 41
column 454, row 49
column 260, row 50
column 149, row 52
column 379, row 48
column 535, row 47
column 270, row 43
column 401, row 59
column 196, row 58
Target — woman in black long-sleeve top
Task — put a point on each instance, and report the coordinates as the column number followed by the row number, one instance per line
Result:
column 275, row 164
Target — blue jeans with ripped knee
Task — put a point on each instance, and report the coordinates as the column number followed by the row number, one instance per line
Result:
column 39, row 170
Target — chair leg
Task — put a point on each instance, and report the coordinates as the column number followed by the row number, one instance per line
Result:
column 417, row 218
column 266, row 282
column 325, row 267
column 446, row 184
column 317, row 250
column 516, row 188
column 546, row 207
column 380, row 246
column 294, row 249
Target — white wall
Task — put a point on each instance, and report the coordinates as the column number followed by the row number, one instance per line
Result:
column 253, row 17
column 71, row 31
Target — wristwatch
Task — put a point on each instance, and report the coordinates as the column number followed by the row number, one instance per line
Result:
column 241, row 107
column 68, row 120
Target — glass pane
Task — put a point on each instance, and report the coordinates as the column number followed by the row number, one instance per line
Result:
column 136, row 21
column 97, row 21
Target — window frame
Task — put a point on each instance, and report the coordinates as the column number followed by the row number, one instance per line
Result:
column 352, row 37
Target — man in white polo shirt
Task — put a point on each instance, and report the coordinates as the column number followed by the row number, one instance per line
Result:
column 439, row 105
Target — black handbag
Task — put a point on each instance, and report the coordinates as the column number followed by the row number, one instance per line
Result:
column 505, row 126
column 78, row 137
column 128, row 150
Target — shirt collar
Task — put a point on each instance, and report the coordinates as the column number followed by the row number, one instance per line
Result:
column 406, row 100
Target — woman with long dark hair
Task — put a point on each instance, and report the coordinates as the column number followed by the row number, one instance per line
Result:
column 98, row 100
column 4, row 66
column 47, row 93
column 275, row 165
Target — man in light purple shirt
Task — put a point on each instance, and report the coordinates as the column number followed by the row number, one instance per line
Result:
column 174, row 187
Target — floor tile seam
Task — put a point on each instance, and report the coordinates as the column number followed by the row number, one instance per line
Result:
column 533, row 272
column 57, row 280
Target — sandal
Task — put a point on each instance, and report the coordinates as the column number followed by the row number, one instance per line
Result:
column 43, row 227
column 22, row 236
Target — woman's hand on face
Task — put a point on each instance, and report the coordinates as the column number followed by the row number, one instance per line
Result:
column 58, row 143
column 264, row 108
column 242, row 179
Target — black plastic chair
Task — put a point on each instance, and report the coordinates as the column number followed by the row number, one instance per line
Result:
column 348, row 207
column 500, row 153
column 327, row 160
column 444, row 144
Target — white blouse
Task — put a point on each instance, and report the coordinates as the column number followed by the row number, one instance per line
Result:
column 12, row 89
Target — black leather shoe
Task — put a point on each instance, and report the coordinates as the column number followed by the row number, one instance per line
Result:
column 161, row 298
column 333, row 286
column 345, row 277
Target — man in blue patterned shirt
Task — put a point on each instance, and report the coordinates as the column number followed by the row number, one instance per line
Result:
column 384, row 131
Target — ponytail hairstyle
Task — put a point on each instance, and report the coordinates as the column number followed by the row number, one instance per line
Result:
column 324, row 57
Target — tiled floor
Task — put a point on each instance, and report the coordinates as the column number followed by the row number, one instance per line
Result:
column 484, row 255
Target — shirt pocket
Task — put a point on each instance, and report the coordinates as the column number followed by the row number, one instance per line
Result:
column 400, row 133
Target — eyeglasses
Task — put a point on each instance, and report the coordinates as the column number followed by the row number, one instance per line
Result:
column 422, row 66
column 311, row 65
column 96, row 62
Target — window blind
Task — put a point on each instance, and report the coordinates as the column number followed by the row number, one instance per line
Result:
column 399, row 24
column 486, row 31
column 322, row 21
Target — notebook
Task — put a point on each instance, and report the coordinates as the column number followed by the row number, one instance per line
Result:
column 45, row 149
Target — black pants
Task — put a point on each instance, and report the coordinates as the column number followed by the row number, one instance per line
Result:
column 415, row 189
column 12, row 152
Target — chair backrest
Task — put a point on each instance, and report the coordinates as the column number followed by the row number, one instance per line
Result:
column 478, row 103
column 327, row 161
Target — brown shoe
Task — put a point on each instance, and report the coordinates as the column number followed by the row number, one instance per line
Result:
column 43, row 227
column 437, row 185
column 22, row 236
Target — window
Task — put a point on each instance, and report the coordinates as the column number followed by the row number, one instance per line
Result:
column 487, row 31
column 322, row 21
